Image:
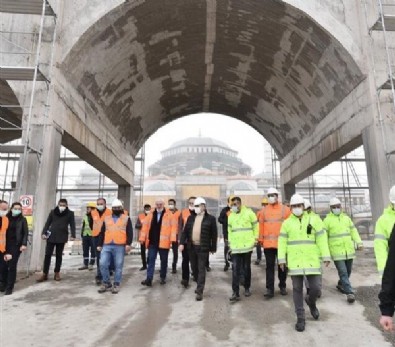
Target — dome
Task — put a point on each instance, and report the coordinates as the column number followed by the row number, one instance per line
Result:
column 199, row 141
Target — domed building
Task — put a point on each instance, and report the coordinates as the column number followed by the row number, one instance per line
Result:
column 199, row 156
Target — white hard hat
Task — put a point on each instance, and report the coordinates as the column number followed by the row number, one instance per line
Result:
column 117, row 203
column 392, row 194
column 272, row 191
column 199, row 201
column 296, row 199
column 307, row 204
column 334, row 201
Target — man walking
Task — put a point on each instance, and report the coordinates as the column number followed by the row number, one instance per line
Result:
column 342, row 237
column 114, row 240
column 138, row 226
column 271, row 218
column 223, row 220
column 159, row 231
column 86, row 235
column 200, row 234
column 243, row 237
column 302, row 243
column 56, row 233
column 177, row 217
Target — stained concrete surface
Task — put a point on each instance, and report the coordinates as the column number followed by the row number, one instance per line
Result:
column 72, row 313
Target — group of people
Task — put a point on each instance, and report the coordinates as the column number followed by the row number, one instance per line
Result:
column 293, row 236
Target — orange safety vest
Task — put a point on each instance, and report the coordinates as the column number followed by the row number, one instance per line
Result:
column 3, row 230
column 176, row 215
column 168, row 231
column 270, row 220
column 184, row 215
column 141, row 217
column 116, row 232
column 98, row 221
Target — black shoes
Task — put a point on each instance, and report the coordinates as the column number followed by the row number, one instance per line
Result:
column 83, row 267
column 350, row 298
column 247, row 293
column 174, row 269
column 283, row 291
column 313, row 309
column 104, row 287
column 162, row 281
column 300, row 325
column 147, row 283
column 235, row 297
column 208, row 268
column 8, row 291
column 185, row 283
column 143, row 268
column 98, row 281
column 226, row 268
column 199, row 296
column 269, row 294
column 339, row 287
column 257, row 262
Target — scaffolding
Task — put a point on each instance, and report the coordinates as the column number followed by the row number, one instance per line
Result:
column 27, row 72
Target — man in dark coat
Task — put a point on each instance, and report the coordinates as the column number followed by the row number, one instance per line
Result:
column 56, row 232
column 200, row 235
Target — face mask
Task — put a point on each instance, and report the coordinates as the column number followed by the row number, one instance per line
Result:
column 147, row 211
column 272, row 200
column 117, row 212
column 62, row 208
column 3, row 213
column 16, row 212
column 297, row 211
column 235, row 209
column 100, row 208
column 171, row 207
column 198, row 210
column 336, row 211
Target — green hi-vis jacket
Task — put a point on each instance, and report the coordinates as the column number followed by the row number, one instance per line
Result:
column 303, row 244
column 342, row 236
column 385, row 225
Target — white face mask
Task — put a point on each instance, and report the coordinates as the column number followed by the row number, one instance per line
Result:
column 62, row 208
column 198, row 210
column 235, row 209
column 3, row 213
column 100, row 208
column 336, row 211
column 147, row 211
column 272, row 200
column 297, row 211
column 171, row 207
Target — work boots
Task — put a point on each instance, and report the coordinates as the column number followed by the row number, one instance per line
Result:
column 43, row 278
column 313, row 309
column 57, row 276
column 300, row 324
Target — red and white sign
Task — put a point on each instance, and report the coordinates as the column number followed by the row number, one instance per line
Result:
column 27, row 204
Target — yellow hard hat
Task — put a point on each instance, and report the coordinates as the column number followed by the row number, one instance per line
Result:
column 230, row 198
column 265, row 201
column 91, row 204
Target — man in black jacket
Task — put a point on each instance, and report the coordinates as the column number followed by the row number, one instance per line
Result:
column 56, row 232
column 200, row 235
column 387, row 294
column 223, row 219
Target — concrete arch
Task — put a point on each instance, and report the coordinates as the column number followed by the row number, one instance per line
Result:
column 266, row 63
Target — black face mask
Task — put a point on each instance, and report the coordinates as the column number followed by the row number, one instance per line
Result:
column 117, row 212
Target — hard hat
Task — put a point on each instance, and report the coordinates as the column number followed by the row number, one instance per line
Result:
column 392, row 194
column 230, row 198
column 334, row 201
column 265, row 201
column 296, row 199
column 307, row 204
column 199, row 201
column 272, row 191
column 91, row 204
column 116, row 203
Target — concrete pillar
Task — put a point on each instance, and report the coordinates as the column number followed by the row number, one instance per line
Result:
column 39, row 180
column 287, row 190
column 379, row 146
column 125, row 193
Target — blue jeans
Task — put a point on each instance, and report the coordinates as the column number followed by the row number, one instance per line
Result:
column 152, row 254
column 95, row 242
column 344, row 268
column 117, row 252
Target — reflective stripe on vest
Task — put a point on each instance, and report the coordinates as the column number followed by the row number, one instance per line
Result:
column 241, row 229
column 300, row 242
column 304, row 271
column 318, row 233
column 116, row 232
column 380, row 237
column 3, row 230
column 270, row 237
column 339, row 235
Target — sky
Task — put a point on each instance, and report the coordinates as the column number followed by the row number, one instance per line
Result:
column 238, row 135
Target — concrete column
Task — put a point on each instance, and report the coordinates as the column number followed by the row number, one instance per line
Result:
column 40, row 179
column 287, row 190
column 379, row 146
column 125, row 193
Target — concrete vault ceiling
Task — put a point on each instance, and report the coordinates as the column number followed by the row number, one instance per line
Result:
column 268, row 64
